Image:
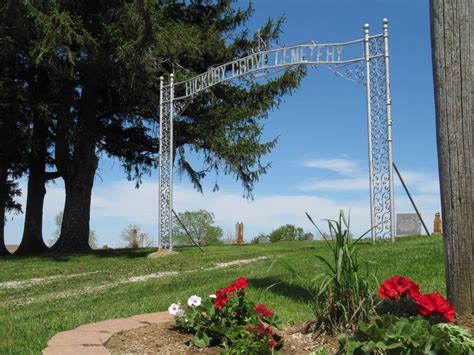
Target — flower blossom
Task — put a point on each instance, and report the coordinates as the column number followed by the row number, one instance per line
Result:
column 222, row 297
column 271, row 342
column 194, row 301
column 262, row 330
column 224, row 294
column 398, row 287
column 175, row 310
column 262, row 311
column 435, row 304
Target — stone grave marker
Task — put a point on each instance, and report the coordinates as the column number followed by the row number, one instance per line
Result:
column 239, row 233
column 263, row 240
column 408, row 224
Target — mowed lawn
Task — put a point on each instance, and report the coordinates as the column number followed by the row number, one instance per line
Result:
column 40, row 296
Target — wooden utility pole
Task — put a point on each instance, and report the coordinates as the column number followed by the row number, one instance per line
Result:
column 452, row 36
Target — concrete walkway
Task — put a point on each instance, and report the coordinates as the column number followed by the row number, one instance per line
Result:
column 90, row 338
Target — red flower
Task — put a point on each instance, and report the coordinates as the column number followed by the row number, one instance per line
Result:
column 262, row 330
column 398, row 287
column 271, row 342
column 434, row 303
column 224, row 294
column 262, row 311
column 240, row 283
column 425, row 305
column 222, row 297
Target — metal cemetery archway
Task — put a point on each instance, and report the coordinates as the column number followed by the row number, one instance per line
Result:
column 364, row 61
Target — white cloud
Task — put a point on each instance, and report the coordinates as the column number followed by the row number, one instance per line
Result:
column 338, row 165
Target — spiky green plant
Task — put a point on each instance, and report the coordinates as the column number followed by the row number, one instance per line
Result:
column 342, row 293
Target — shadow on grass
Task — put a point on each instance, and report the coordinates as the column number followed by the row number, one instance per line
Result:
column 283, row 288
column 123, row 253
column 101, row 253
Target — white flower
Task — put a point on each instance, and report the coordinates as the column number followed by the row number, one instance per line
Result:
column 212, row 296
column 194, row 301
column 175, row 310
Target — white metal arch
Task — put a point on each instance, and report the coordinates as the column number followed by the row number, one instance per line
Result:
column 365, row 61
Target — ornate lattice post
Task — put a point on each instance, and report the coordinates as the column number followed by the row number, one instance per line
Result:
column 166, row 165
column 369, row 128
column 389, row 126
column 160, row 164
column 380, row 131
column 170, row 162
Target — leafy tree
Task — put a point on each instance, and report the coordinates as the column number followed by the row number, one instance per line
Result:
column 58, row 219
column 287, row 233
column 135, row 238
column 25, row 93
column 200, row 225
column 103, row 62
column 12, row 125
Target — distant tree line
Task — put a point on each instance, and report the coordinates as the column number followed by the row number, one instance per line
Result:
column 79, row 81
column 285, row 233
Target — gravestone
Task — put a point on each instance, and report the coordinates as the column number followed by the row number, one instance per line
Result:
column 437, row 224
column 408, row 224
column 263, row 240
column 239, row 233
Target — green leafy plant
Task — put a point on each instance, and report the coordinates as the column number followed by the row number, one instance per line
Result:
column 228, row 319
column 342, row 294
column 390, row 334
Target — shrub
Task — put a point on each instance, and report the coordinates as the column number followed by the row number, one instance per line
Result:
column 229, row 320
column 287, row 233
column 390, row 334
column 413, row 324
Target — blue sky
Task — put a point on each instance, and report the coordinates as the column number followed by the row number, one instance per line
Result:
column 320, row 163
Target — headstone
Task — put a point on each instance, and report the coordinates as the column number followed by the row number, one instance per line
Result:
column 408, row 224
column 437, row 224
column 263, row 240
column 309, row 236
column 239, row 233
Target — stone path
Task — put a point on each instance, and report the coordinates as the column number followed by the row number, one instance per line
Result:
column 89, row 339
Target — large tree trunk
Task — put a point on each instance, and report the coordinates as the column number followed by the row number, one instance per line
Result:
column 75, row 226
column 3, row 203
column 78, row 172
column 452, row 36
column 32, row 240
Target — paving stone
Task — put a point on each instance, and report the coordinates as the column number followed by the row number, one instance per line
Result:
column 90, row 338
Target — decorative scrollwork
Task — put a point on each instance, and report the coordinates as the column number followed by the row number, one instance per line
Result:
column 166, row 169
column 381, row 170
column 181, row 105
column 264, row 62
column 353, row 71
column 376, row 46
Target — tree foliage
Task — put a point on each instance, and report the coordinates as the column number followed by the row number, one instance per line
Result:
column 287, row 233
column 93, row 69
column 200, row 225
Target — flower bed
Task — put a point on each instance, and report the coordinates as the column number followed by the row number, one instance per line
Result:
column 230, row 321
column 409, row 322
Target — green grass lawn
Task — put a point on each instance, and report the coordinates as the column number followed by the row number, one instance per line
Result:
column 106, row 284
